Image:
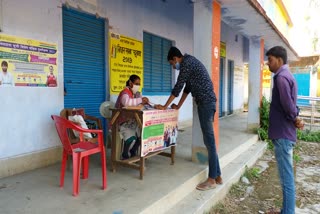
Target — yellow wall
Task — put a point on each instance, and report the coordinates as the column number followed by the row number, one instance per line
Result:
column 277, row 12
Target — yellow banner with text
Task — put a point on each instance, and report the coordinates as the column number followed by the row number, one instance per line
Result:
column 126, row 58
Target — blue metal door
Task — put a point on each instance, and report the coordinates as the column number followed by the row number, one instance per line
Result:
column 303, row 82
column 84, row 61
column 221, row 87
column 230, row 85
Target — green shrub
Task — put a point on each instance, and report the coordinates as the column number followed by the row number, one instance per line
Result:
column 264, row 114
column 264, row 126
column 252, row 173
column 304, row 135
column 264, row 122
column 307, row 135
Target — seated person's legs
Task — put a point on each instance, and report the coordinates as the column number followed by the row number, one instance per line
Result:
column 128, row 134
column 128, row 147
column 135, row 148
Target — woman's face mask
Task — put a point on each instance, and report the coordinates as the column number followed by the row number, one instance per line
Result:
column 135, row 88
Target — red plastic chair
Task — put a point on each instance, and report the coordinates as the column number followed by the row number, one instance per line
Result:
column 80, row 152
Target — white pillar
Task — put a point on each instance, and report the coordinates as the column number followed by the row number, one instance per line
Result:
column 202, row 35
column 254, row 84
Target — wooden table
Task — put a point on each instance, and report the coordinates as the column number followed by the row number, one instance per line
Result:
column 136, row 162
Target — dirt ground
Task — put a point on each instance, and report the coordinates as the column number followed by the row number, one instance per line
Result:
column 263, row 190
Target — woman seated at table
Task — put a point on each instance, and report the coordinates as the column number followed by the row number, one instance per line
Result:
column 129, row 129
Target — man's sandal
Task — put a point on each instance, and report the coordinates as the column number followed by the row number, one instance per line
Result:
column 219, row 180
column 206, row 186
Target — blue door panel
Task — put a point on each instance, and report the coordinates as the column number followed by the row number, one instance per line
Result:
column 84, row 61
column 303, row 82
column 230, row 85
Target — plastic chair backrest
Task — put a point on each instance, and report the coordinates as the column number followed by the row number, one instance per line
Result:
column 62, row 126
column 66, row 112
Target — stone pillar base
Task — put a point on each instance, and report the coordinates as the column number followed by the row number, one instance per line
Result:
column 252, row 127
column 200, row 155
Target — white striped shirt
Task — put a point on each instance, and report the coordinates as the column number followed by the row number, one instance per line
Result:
column 127, row 101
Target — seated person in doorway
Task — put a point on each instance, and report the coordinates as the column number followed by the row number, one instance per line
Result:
column 129, row 129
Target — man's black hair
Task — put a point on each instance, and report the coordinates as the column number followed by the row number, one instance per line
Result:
column 4, row 63
column 279, row 52
column 173, row 52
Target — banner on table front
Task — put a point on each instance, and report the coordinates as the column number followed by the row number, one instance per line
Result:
column 159, row 130
column 30, row 62
column 126, row 58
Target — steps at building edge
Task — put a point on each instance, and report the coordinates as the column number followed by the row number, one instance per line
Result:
column 187, row 187
column 227, row 158
column 198, row 202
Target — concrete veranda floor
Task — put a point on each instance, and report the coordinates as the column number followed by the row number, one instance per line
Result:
column 38, row 191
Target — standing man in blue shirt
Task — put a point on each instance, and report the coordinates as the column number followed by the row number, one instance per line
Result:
column 195, row 77
column 283, row 121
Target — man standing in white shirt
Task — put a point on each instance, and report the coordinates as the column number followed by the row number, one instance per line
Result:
column 6, row 79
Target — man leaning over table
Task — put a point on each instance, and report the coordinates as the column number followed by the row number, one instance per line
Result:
column 195, row 77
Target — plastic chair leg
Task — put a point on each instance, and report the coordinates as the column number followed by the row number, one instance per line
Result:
column 63, row 167
column 104, row 168
column 76, row 173
column 85, row 167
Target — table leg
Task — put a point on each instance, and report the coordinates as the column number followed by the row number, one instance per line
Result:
column 113, row 148
column 142, row 163
column 173, row 152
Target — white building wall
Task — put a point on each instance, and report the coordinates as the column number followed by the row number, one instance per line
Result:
column 25, row 111
column 234, row 49
column 313, row 81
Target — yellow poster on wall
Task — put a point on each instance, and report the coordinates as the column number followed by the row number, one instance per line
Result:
column 126, row 58
column 223, row 49
column 27, row 62
column 266, row 77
